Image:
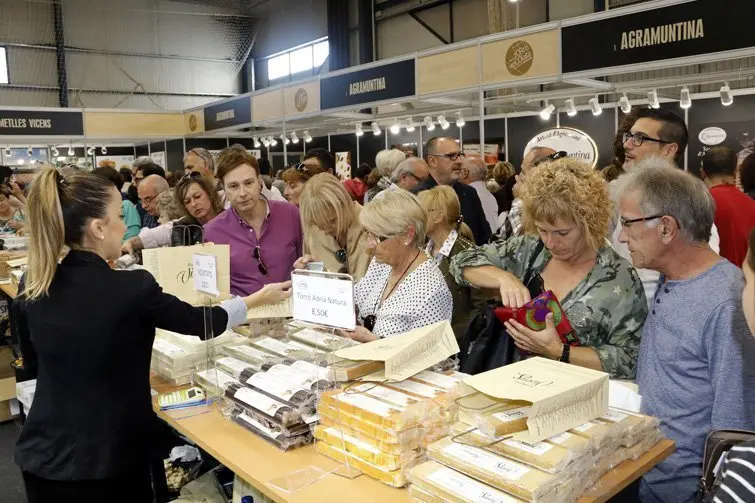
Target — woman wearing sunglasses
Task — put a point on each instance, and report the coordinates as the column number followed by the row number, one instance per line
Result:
column 566, row 210
column 332, row 232
column 201, row 203
column 403, row 288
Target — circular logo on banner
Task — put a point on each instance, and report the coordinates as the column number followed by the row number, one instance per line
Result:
column 574, row 142
column 712, row 136
column 192, row 122
column 301, row 99
column 519, row 58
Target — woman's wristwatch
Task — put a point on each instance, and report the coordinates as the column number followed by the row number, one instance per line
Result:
column 565, row 354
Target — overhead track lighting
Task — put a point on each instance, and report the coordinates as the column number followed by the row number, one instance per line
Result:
column 624, row 104
column 429, row 124
column 460, row 120
column 8, row 153
column 294, row 138
column 396, row 127
column 71, row 151
column 571, row 108
column 30, row 151
column 444, row 124
column 726, row 97
column 375, row 129
column 307, row 137
column 595, row 107
column 653, row 99
column 273, row 141
column 54, row 151
column 256, row 141
column 103, row 149
column 284, row 139
column 358, row 130
column 409, row 125
column 546, row 112
column 685, row 100
column 90, row 151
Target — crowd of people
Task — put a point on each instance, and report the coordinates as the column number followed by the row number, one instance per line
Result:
column 646, row 259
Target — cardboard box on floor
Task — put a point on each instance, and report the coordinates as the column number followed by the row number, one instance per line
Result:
column 9, row 409
column 562, row 395
column 6, row 359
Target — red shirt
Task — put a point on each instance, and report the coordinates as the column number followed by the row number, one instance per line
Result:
column 735, row 219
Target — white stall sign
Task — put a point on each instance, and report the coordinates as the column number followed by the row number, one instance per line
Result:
column 205, row 274
column 324, row 299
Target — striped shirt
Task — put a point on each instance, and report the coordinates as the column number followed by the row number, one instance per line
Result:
column 738, row 483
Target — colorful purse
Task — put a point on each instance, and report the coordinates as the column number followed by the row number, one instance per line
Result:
column 532, row 315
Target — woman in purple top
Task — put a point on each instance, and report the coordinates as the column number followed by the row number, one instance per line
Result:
column 265, row 236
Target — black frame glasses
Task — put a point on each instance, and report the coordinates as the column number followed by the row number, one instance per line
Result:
column 552, row 157
column 451, row 156
column 628, row 222
column 376, row 239
column 260, row 264
column 638, row 139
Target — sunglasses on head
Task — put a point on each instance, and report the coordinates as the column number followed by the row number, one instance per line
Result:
column 194, row 175
column 552, row 157
column 301, row 167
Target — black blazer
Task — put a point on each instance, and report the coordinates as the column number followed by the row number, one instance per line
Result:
column 471, row 208
column 89, row 342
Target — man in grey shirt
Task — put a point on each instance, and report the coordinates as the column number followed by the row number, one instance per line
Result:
column 695, row 369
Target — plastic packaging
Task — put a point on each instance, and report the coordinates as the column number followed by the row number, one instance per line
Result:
column 342, row 370
column 214, row 381
column 423, row 391
column 599, row 433
column 447, row 485
column 390, row 416
column 275, row 437
column 280, row 388
column 502, row 473
column 394, row 478
column 253, row 355
column 235, row 367
column 281, row 349
column 340, row 439
column 634, row 426
column 504, row 420
column 273, row 410
column 321, row 340
column 311, row 378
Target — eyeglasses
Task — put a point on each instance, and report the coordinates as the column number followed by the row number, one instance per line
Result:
column 301, row 167
column 552, row 157
column 638, row 138
column 416, row 177
column 375, row 239
column 194, row 175
column 261, row 265
column 627, row 222
column 452, row 156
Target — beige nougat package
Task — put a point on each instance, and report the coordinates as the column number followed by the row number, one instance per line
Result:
column 393, row 478
column 435, row 483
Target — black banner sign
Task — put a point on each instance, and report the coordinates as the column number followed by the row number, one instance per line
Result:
column 688, row 29
column 41, row 123
column 229, row 113
column 386, row 82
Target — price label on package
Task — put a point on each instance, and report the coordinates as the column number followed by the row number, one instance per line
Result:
column 205, row 274
column 324, row 299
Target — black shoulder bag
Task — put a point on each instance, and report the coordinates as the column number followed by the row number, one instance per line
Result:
column 717, row 445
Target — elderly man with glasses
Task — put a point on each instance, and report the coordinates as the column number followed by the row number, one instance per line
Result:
column 409, row 173
column 444, row 158
column 695, row 368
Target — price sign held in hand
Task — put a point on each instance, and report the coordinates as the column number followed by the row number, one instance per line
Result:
column 323, row 298
column 205, row 274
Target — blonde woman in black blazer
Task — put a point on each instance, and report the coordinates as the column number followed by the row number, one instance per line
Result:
column 86, row 332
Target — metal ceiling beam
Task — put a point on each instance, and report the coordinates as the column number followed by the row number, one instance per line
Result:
column 393, row 8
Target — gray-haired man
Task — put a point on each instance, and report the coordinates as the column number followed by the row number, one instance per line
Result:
column 695, row 367
column 409, row 173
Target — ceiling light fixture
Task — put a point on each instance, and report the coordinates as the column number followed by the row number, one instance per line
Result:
column 273, row 142
column 71, row 151
column 571, row 108
column 409, row 125
column 546, row 112
column 653, row 99
column 294, row 138
column 30, row 151
column 359, row 131
column 624, row 104
column 90, row 151
column 256, row 141
column 307, row 137
column 103, row 149
column 54, row 152
column 396, row 127
column 429, row 124
column 375, row 129
column 8, row 153
column 444, row 124
column 460, row 120
column 284, row 139
column 595, row 107
column 685, row 100
column 726, row 97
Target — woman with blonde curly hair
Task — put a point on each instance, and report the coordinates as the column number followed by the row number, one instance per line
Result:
column 566, row 211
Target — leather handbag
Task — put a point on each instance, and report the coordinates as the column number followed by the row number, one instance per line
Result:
column 717, row 444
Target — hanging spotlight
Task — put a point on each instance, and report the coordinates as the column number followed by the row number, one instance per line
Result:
column 103, row 149
column 396, row 127
column 595, row 107
column 307, row 137
column 685, row 100
column 409, row 125
column 460, row 119
column 265, row 142
column 273, row 141
column 375, row 129
column 71, row 151
column 54, row 151
column 726, row 97
column 444, row 124
column 30, row 151
column 546, row 112
column 624, row 104
column 429, row 124
column 284, row 139
column 294, row 138
column 90, row 151
column 256, row 141
column 653, row 99
column 571, row 108
column 8, row 153
column 358, row 130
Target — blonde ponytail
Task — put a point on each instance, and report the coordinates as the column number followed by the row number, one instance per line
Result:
column 58, row 209
column 44, row 218
column 466, row 232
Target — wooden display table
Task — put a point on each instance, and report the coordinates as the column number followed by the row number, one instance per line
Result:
column 257, row 462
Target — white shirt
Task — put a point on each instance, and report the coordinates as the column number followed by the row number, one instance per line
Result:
column 489, row 204
column 156, row 237
column 421, row 298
